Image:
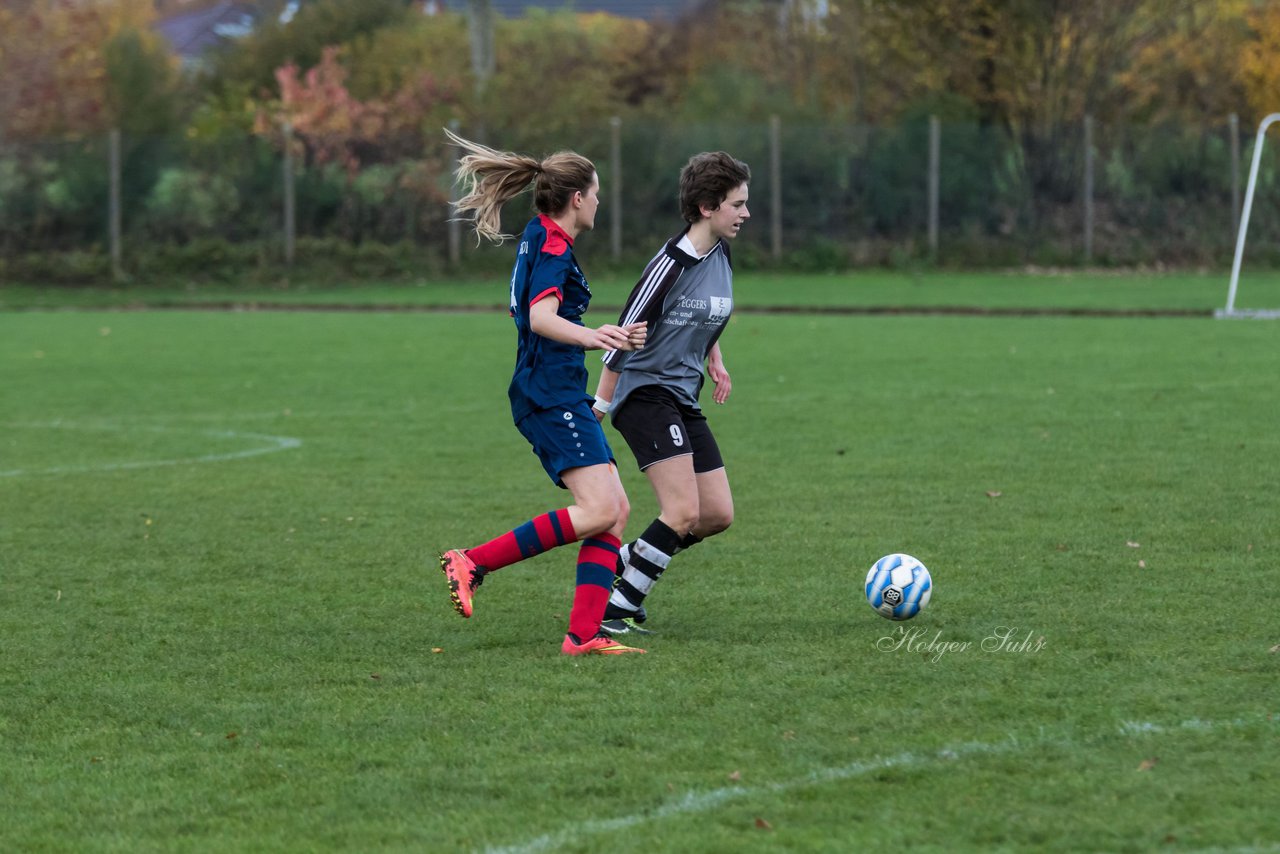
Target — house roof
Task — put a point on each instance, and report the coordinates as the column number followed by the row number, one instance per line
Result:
column 193, row 33
column 648, row 10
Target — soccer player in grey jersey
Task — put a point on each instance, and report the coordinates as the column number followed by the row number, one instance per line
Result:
column 652, row 395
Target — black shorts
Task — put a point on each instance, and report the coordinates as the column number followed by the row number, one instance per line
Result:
column 658, row 426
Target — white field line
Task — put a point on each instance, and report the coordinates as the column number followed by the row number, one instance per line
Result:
column 265, row 444
column 698, row 802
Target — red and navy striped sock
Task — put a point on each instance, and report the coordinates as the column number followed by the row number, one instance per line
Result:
column 534, row 537
column 596, row 560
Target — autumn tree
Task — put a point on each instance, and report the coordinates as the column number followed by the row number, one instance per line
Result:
column 377, row 144
column 1191, row 72
column 381, row 61
column 559, row 67
column 334, row 126
column 1033, row 69
column 141, row 84
column 1260, row 60
column 302, row 40
column 54, row 59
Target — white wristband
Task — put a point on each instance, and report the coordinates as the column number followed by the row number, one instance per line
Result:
column 601, row 405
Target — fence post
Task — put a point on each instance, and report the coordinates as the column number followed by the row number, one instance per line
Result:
column 410, row 212
column 113, row 205
column 935, row 181
column 775, row 186
column 1233, row 123
column 615, row 188
column 290, row 198
column 454, row 226
column 1088, row 189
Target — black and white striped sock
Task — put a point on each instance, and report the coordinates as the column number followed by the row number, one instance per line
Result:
column 688, row 541
column 646, row 559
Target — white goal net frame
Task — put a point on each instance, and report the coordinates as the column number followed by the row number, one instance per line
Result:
column 1231, row 311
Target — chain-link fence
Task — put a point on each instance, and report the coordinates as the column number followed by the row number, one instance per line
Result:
column 823, row 196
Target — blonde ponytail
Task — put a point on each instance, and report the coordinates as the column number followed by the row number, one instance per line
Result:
column 492, row 178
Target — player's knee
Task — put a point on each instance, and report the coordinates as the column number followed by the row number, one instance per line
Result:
column 682, row 519
column 623, row 515
column 604, row 515
column 715, row 522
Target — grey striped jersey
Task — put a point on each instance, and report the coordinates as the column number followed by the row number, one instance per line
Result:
column 687, row 302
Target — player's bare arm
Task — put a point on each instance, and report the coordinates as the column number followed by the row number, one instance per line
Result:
column 719, row 375
column 604, row 392
column 544, row 320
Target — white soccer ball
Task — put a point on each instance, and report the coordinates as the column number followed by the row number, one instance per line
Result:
column 898, row 587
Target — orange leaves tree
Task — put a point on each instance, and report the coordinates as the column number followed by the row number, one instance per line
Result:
column 377, row 143
column 333, row 126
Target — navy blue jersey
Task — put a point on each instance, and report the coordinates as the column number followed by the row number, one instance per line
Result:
column 548, row 373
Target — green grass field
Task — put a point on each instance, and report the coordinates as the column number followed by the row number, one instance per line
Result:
column 1169, row 292
column 223, row 630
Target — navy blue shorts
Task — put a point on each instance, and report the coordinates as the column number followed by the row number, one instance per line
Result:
column 566, row 437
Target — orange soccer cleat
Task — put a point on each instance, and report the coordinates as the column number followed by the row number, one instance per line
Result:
column 601, row 644
column 464, row 577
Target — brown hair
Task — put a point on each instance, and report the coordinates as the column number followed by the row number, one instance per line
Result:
column 706, row 181
column 493, row 178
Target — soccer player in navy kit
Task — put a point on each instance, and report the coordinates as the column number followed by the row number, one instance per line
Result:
column 548, row 391
column 686, row 296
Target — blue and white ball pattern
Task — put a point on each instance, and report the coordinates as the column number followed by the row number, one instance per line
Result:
column 898, row 587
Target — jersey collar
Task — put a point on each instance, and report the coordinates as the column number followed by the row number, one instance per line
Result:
column 553, row 228
column 686, row 259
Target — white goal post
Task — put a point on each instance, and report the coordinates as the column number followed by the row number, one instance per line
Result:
column 1231, row 310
